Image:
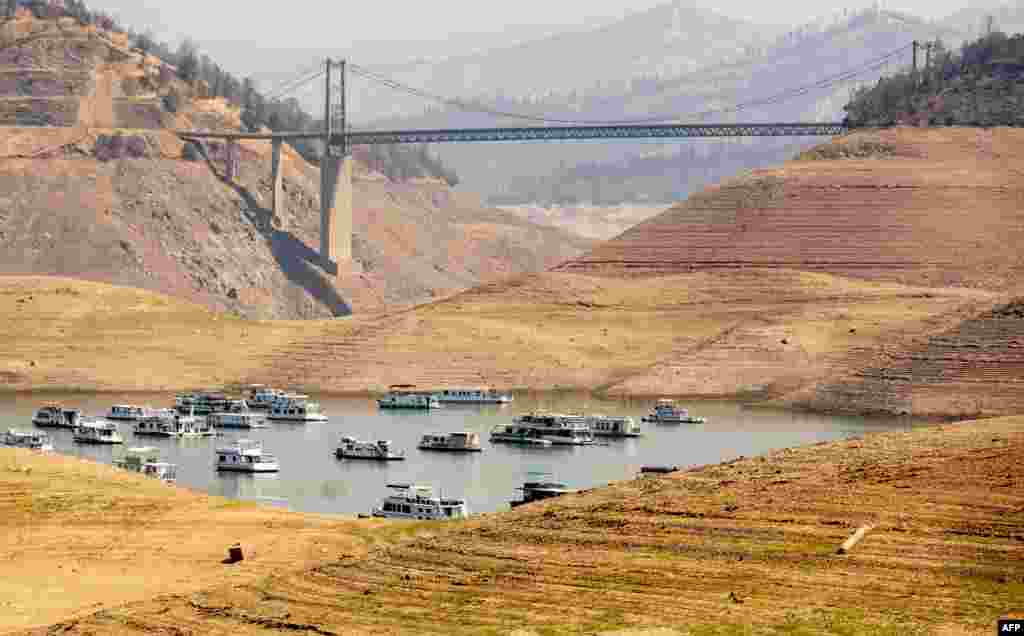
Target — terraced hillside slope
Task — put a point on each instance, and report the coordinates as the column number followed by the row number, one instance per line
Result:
column 749, row 546
column 93, row 185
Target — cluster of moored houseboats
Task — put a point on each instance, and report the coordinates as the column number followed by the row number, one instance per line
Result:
column 207, row 413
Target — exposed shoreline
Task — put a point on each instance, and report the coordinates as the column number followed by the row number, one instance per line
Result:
column 753, row 540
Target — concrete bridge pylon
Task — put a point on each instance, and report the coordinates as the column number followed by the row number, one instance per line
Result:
column 335, row 211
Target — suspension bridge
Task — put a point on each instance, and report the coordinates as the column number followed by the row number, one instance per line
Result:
column 336, row 165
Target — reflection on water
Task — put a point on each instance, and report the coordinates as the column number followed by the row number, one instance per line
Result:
column 312, row 479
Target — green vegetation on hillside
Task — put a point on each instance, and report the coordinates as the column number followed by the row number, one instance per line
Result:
column 258, row 111
column 982, row 85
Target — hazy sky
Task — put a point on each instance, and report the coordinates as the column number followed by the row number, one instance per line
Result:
column 327, row 22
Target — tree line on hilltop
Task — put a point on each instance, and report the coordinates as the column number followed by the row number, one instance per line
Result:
column 981, row 85
column 398, row 163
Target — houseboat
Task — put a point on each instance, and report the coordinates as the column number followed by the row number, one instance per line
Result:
column 512, row 434
column 175, row 425
column 666, row 412
column 94, row 430
column 569, row 430
column 613, row 426
column 219, row 421
column 54, row 416
column 201, row 403
column 457, row 442
column 146, row 460
column 261, row 397
column 482, row 395
column 351, row 448
column 128, row 412
column 34, row 440
column 246, row 456
column 403, row 396
column 296, row 408
column 540, row 487
column 418, row 502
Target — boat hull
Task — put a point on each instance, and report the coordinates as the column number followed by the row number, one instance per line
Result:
column 288, row 418
column 674, row 420
column 251, row 468
column 542, row 443
column 379, row 458
column 611, row 434
column 89, row 440
column 414, row 407
column 448, row 449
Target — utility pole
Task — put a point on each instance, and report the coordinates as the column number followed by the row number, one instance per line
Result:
column 915, row 57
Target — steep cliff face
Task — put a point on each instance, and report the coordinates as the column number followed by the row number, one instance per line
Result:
column 93, row 185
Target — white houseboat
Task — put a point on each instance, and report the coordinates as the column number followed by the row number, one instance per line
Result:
column 94, row 430
column 34, row 440
column 512, row 434
column 351, row 448
column 482, row 395
column 666, row 412
column 171, row 424
column 418, row 502
column 262, row 397
column 146, row 460
column 55, row 416
column 568, row 430
column 201, row 403
column 539, row 487
column 128, row 412
column 403, row 396
column 296, row 408
column 237, row 420
column 457, row 442
column 246, row 456
column 613, row 426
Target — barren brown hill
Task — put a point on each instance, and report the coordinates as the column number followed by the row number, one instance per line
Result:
column 94, row 186
column 935, row 207
column 749, row 546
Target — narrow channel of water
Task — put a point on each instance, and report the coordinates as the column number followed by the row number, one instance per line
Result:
column 312, row 480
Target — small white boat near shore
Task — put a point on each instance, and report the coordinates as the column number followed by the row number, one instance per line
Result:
column 246, row 456
column 34, row 440
column 418, row 502
column 462, row 441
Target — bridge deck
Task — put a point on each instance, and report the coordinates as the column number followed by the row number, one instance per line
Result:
column 547, row 133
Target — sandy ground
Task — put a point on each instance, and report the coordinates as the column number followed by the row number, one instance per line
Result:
column 723, row 549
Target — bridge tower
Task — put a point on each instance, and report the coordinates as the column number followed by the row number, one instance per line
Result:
column 336, row 167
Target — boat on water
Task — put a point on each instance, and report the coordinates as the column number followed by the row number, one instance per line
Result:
column 296, row 407
column 404, row 396
column 246, row 456
column 55, row 416
column 666, row 412
column 412, row 501
column 171, row 424
column 481, row 395
column 202, row 403
column 128, row 412
column 559, row 429
column 461, row 441
column 34, row 440
column 95, row 430
column 351, row 448
column 613, row 426
column 262, row 397
column 538, row 487
column 512, row 434
column 146, row 460
column 237, row 420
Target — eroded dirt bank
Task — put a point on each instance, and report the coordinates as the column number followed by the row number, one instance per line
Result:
column 722, row 549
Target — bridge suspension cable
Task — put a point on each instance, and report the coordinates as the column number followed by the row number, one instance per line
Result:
column 294, row 85
column 846, row 75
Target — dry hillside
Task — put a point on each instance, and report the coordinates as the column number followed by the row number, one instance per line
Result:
column 749, row 546
column 71, row 97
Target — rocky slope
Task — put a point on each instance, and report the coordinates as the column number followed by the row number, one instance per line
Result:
column 93, row 185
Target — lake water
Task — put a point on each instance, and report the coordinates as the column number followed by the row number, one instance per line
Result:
column 313, row 480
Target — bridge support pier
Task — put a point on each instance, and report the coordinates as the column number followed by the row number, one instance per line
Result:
column 335, row 211
column 277, row 175
column 231, row 156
